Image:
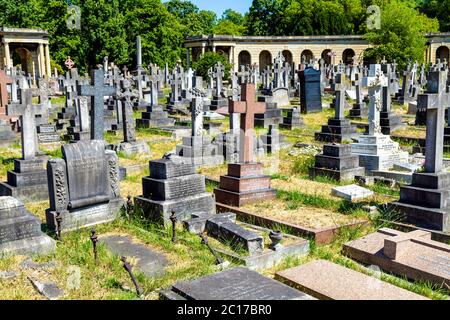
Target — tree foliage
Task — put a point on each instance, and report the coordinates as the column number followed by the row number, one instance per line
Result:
column 439, row 9
column 402, row 33
column 208, row 60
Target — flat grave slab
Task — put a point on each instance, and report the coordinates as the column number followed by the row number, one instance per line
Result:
column 351, row 192
column 149, row 262
column 412, row 254
column 329, row 281
column 237, row 284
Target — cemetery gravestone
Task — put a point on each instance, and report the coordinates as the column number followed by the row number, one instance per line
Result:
column 325, row 280
column 413, row 254
column 293, row 120
column 245, row 182
column 28, row 181
column 84, row 186
column 235, row 284
column 20, row 231
column 310, row 97
column 425, row 201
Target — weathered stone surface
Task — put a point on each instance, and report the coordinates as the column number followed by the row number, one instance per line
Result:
column 148, row 261
column 20, row 231
column 413, row 254
column 351, row 192
column 48, row 289
column 329, row 281
column 237, row 284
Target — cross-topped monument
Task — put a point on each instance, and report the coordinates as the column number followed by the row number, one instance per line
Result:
column 27, row 113
column 375, row 81
column 217, row 74
column 339, row 86
column 247, row 107
column 435, row 101
column 97, row 91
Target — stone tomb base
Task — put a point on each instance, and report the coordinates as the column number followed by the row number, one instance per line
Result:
column 325, row 280
column 245, row 183
column 238, row 283
column 425, row 202
column 28, row 181
column 336, row 162
column 20, row 231
column 86, row 216
column 131, row 148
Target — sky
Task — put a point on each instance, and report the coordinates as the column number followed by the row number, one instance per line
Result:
column 219, row 6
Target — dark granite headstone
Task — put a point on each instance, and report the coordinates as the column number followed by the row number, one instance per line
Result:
column 310, row 97
column 237, row 284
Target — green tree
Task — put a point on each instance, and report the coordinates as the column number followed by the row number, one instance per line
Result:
column 233, row 16
column 439, row 9
column 265, row 17
column 208, row 60
column 181, row 8
column 402, row 33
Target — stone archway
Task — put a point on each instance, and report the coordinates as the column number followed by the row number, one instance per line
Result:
column 244, row 58
column 307, row 54
column 326, row 56
column 23, row 57
column 288, row 56
column 265, row 59
column 442, row 53
column 347, row 56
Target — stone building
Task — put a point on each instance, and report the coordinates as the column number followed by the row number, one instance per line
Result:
column 27, row 47
column 247, row 50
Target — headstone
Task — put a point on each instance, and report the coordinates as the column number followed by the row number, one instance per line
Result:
column 293, row 120
column 271, row 142
column 20, row 231
column 412, row 255
column 325, row 280
column 217, row 74
column 173, row 185
column 97, row 91
column 245, row 182
column 338, row 128
column 129, row 145
column 375, row 150
column 359, row 108
column 311, row 97
column 6, row 133
column 28, row 180
column 336, row 162
column 84, row 186
column 425, row 201
column 238, row 283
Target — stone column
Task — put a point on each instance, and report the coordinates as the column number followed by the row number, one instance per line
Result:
column 41, row 58
column 203, row 48
column 47, row 60
column 7, row 55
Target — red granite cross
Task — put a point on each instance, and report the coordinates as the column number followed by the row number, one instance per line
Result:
column 4, row 81
column 247, row 107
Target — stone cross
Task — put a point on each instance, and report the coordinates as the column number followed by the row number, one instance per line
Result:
column 4, row 81
column 197, row 116
column 235, row 86
column 435, row 100
column 218, row 73
column 97, row 91
column 339, row 86
column 27, row 113
column 375, row 81
column 129, row 131
column 247, row 107
column 44, row 92
column 69, row 63
column 278, row 70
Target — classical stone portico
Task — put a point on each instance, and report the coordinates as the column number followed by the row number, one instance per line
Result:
column 247, row 50
column 27, row 47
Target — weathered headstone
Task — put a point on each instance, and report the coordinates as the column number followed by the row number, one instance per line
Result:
column 28, row 180
column 84, row 186
column 413, row 255
column 173, row 186
column 20, row 231
column 375, row 150
column 97, row 91
column 293, row 120
column 425, row 201
column 310, row 97
column 234, row 284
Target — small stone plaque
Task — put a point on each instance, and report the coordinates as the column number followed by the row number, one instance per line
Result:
column 351, row 192
column 237, row 284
